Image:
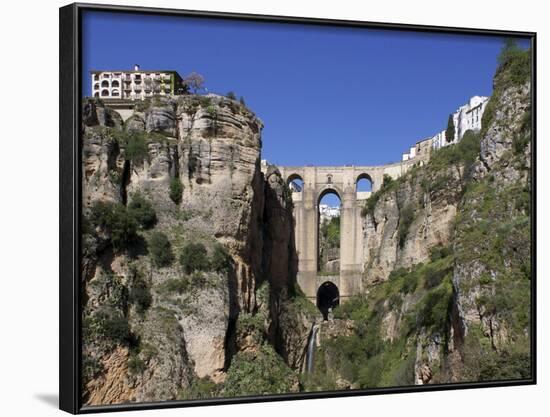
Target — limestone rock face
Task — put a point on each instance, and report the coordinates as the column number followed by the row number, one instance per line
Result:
column 433, row 215
column 511, row 116
column 95, row 113
column 167, row 364
column 113, row 386
column 102, row 168
column 211, row 146
column 152, row 175
column 219, row 167
column 505, row 161
column 205, row 331
column 280, row 258
column 161, row 118
column 135, row 124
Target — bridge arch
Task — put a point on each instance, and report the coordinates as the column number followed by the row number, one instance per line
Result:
column 295, row 182
column 364, row 186
column 328, row 298
column 329, row 232
column 329, row 189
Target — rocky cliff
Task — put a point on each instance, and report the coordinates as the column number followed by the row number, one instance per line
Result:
column 189, row 265
column 448, row 260
column 181, row 228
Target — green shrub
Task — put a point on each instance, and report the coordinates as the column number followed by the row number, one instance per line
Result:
column 220, row 260
column 505, row 366
column 107, row 325
column 439, row 252
column 139, row 293
column 435, row 307
column 175, row 285
column 388, row 183
column 90, row 367
column 176, row 190
column 212, row 111
column 142, row 211
column 160, row 249
column 136, row 147
column 194, row 258
column 398, row 273
column 370, row 375
column 136, row 365
column 114, row 218
column 259, row 373
column 406, row 217
column 410, row 282
column 205, row 101
column 433, row 276
column 515, row 60
column 200, row 388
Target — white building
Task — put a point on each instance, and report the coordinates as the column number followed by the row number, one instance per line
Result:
column 327, row 212
column 134, row 85
column 420, row 150
column 438, row 140
column 466, row 117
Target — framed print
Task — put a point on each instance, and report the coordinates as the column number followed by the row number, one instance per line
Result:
column 260, row 208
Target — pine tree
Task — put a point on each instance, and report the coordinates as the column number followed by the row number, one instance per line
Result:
column 450, row 132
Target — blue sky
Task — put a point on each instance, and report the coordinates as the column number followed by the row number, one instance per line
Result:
column 327, row 95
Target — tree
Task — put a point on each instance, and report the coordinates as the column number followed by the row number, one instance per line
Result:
column 241, row 100
column 194, row 258
column 136, row 148
column 160, row 249
column 193, row 82
column 231, row 95
column 142, row 211
column 114, row 219
column 221, row 261
column 450, row 132
column 510, row 49
column 176, row 190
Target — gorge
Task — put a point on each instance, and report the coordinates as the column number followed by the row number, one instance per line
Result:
column 200, row 276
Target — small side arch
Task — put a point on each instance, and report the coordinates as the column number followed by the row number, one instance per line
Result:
column 364, row 186
column 295, row 182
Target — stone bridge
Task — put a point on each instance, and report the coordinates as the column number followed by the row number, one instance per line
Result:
column 342, row 181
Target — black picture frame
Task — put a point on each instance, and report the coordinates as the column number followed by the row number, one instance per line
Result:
column 70, row 89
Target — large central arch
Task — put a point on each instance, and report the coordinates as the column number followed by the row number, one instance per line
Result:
column 328, row 190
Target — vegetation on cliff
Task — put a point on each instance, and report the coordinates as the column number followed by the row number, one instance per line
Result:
column 189, row 260
column 463, row 314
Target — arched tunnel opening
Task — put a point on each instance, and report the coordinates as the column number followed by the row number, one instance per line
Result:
column 328, row 298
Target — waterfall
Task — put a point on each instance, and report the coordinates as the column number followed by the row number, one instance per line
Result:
column 311, row 348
